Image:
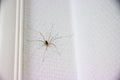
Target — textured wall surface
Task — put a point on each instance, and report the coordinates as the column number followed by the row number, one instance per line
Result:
column 40, row 15
column 96, row 28
column 97, row 32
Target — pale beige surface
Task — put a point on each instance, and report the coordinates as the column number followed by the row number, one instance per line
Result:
column 7, row 28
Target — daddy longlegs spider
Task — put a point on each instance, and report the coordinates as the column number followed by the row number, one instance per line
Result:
column 47, row 42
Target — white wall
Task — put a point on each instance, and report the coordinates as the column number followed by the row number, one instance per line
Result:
column 40, row 15
column 97, row 27
column 7, row 32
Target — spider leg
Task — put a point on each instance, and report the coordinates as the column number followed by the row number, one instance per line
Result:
column 42, row 35
column 53, row 38
column 56, row 38
column 38, row 32
column 50, row 32
column 56, row 48
column 36, row 40
column 44, row 54
column 41, row 46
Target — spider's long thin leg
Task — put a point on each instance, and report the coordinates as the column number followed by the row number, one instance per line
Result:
column 50, row 32
column 56, row 38
column 38, row 32
column 42, row 35
column 44, row 54
column 37, row 40
column 41, row 46
column 56, row 48
column 53, row 38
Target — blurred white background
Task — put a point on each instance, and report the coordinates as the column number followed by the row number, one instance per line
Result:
column 7, row 29
column 96, row 24
column 97, row 27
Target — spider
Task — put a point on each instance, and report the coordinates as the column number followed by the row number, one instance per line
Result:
column 47, row 42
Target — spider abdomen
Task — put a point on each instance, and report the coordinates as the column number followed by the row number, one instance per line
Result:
column 46, row 43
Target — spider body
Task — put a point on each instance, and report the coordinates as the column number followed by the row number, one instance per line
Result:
column 46, row 43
